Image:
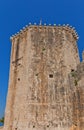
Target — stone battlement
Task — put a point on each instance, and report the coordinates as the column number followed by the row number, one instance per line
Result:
column 66, row 27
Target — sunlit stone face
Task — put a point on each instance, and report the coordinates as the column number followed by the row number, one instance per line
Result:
column 42, row 91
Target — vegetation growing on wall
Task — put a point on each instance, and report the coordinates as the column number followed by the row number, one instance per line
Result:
column 74, row 75
column 2, row 120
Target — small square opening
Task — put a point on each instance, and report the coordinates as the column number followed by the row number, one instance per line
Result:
column 72, row 70
column 50, row 75
column 33, row 126
column 18, row 79
column 47, row 125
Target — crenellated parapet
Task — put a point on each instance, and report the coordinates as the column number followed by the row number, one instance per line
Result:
column 66, row 27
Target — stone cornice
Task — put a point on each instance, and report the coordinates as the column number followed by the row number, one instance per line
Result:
column 66, row 27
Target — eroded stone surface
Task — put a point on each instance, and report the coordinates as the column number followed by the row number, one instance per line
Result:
column 46, row 90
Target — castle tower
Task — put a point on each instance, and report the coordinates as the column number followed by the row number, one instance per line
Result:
column 42, row 58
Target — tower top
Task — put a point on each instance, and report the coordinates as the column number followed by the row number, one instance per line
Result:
column 66, row 27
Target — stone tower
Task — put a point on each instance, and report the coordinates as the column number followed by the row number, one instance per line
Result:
column 42, row 85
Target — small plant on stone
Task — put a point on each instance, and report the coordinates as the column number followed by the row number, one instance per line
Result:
column 37, row 74
column 75, row 82
column 2, row 120
column 73, row 74
column 43, row 49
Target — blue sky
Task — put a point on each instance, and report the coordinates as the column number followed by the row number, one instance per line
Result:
column 14, row 14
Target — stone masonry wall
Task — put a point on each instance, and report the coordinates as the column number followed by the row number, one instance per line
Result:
column 40, row 86
column 77, row 80
column 1, row 128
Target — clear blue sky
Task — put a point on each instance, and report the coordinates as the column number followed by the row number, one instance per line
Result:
column 14, row 14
